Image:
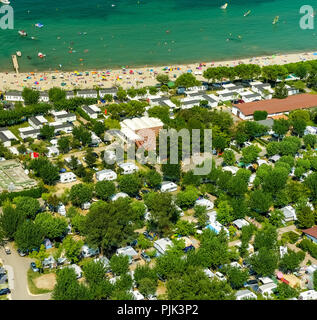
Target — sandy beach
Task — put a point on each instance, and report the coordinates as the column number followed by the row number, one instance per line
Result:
column 136, row 77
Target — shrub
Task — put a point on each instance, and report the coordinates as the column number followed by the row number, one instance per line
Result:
column 259, row 115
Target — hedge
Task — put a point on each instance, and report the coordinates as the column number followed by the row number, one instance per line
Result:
column 308, row 246
column 33, row 193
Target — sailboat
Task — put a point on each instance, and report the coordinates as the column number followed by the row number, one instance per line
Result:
column 224, row 6
column 275, row 20
column 247, row 13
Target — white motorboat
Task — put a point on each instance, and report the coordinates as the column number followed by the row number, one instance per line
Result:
column 224, row 6
column 5, row 1
column 22, row 33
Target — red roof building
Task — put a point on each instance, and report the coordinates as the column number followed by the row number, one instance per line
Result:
column 275, row 106
column 311, row 233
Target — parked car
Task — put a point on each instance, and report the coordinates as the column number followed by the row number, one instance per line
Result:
column 148, row 236
column 220, row 276
column 250, row 283
column 34, row 267
column 138, row 197
column 22, row 253
column 5, row 291
column 144, row 191
column 7, row 250
column 145, row 257
column 134, row 243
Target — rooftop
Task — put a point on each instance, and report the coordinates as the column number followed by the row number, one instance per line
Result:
column 311, row 231
column 300, row 101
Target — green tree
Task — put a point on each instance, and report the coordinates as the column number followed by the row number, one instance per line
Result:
column 250, row 154
column 68, row 288
column 63, row 144
column 229, row 157
column 72, row 248
column 56, row 94
column 108, row 225
column 266, row 238
column 80, row 193
column 260, row 201
column 280, row 91
column 47, row 132
column 163, row 212
column 90, row 159
column 285, row 292
column 200, row 212
column 185, row 228
column 99, row 128
column 27, row 206
column 187, row 198
column 51, row 227
column 291, row 261
column 46, row 170
column 119, row 264
column 236, row 277
column 224, row 213
column 153, row 179
column 299, row 126
column 147, row 286
column 305, row 217
column 264, row 262
column 105, row 189
column 130, row 184
column 162, row 78
column 310, row 140
column 30, row 96
column 195, row 285
column 39, row 256
column 187, row 80
column 28, row 236
column 280, row 126
column 259, row 115
column 276, row 218
column 10, row 219
column 82, row 134
column 171, row 171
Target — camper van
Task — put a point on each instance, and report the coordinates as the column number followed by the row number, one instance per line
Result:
column 308, row 295
column 168, row 186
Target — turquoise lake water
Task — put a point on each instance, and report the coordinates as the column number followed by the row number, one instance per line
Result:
column 134, row 32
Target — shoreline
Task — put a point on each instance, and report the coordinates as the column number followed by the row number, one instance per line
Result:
column 105, row 78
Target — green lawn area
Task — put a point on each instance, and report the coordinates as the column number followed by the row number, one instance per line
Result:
column 15, row 129
column 49, row 118
column 32, row 287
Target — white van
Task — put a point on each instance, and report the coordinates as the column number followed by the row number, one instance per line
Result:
column 168, row 186
column 308, row 295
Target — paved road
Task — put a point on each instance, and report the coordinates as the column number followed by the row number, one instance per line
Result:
column 17, row 271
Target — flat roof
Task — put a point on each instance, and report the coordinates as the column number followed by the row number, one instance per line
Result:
column 87, row 92
column 14, row 93
column 65, row 115
column 300, row 101
column 142, row 123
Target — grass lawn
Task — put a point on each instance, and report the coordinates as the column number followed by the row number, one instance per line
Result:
column 4, row 298
column 32, row 287
column 49, row 118
column 15, row 129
